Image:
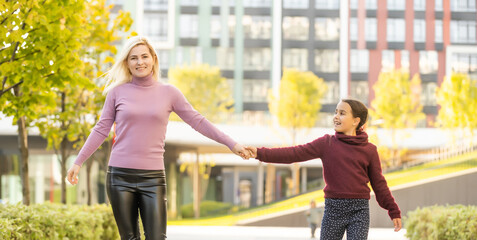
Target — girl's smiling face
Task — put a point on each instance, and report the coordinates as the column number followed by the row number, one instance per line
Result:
column 344, row 121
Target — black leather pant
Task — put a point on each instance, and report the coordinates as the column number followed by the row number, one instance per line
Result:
column 130, row 190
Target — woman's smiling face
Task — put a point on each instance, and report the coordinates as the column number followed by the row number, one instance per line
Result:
column 140, row 61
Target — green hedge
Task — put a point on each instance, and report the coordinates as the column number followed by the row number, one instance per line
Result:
column 57, row 221
column 207, row 208
column 442, row 223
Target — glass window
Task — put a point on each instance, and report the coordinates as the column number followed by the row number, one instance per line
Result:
column 353, row 29
column 255, row 90
column 353, row 4
column 360, row 90
column 258, row 59
column 438, row 31
column 387, row 60
column 215, row 26
column 371, row 4
column 428, row 62
column 395, row 30
column 257, row 27
column 189, row 26
column 327, row 29
column 419, row 30
column 371, row 29
column 327, row 4
column 396, row 4
column 428, row 94
column 295, row 58
column 257, row 3
column 462, row 31
column 332, row 95
column 226, row 58
column 463, row 5
column 295, row 28
column 155, row 4
column 155, row 26
column 405, row 60
column 359, row 60
column 327, row 60
column 464, row 62
column 231, row 24
column 295, row 4
column 163, row 56
column 189, row 2
column 438, row 5
column 419, row 5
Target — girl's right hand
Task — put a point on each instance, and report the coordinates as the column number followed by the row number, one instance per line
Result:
column 252, row 150
column 72, row 175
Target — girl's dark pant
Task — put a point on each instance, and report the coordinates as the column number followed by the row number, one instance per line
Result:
column 350, row 215
column 136, row 191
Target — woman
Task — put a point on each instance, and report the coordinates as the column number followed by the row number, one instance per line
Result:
column 140, row 106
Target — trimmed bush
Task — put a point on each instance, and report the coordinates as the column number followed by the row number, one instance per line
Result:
column 207, row 208
column 442, row 222
column 56, row 221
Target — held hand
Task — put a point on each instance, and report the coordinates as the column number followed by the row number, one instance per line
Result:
column 252, row 151
column 397, row 224
column 72, row 175
column 241, row 151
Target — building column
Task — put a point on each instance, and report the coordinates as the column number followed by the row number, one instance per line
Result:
column 303, row 179
column 260, row 184
column 239, row 48
column 204, row 33
column 236, row 186
column 344, row 49
column 276, row 43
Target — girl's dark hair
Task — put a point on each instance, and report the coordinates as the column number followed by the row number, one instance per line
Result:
column 359, row 110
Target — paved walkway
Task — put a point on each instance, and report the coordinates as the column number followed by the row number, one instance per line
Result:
column 263, row 233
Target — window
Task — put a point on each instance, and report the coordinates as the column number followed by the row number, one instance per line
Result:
column 295, row 28
column 463, row 5
column 215, row 26
column 155, row 26
column 419, row 5
column 332, row 95
column 396, row 4
column 257, row 27
column 155, row 5
column 464, row 62
column 353, row 4
column 462, row 31
column 189, row 2
column 419, row 30
column 428, row 94
column 258, row 59
column 327, row 29
column 395, row 30
column 371, row 29
column 302, row 4
column 387, row 60
column 226, row 58
column 371, row 4
column 353, row 29
column 163, row 56
column 255, row 90
column 360, row 90
column 327, row 60
column 257, row 3
column 438, row 5
column 327, row 4
column 295, row 58
column 189, row 26
column 438, row 32
column 359, row 60
column 188, row 55
column 405, row 60
column 428, row 62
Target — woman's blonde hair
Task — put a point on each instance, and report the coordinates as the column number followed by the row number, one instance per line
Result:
column 119, row 73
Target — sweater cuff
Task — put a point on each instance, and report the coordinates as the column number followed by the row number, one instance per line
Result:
column 259, row 154
column 394, row 214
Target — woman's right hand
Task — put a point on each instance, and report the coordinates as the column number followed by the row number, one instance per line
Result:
column 252, row 150
column 72, row 175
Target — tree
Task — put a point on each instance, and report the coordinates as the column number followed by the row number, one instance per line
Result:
column 208, row 92
column 297, row 106
column 457, row 98
column 396, row 104
column 39, row 50
column 67, row 122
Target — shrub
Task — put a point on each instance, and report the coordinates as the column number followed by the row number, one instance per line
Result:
column 207, row 208
column 442, row 222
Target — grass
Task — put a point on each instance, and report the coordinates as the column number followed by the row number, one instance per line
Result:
column 416, row 173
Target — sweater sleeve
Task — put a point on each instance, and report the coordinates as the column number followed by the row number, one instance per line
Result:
column 186, row 112
column 380, row 187
column 100, row 131
column 293, row 154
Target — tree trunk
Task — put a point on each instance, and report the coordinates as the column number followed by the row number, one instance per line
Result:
column 64, row 156
column 23, row 147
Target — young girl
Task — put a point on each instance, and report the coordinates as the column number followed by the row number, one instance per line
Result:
column 349, row 163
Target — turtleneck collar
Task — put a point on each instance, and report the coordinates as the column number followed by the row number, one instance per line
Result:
column 361, row 138
column 144, row 81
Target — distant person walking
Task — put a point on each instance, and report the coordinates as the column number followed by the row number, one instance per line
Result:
column 140, row 106
column 312, row 217
column 349, row 163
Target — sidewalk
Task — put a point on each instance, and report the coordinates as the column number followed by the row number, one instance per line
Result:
column 263, row 233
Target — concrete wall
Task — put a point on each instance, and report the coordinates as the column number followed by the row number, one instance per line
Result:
column 459, row 188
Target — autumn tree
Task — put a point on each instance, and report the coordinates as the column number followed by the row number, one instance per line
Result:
column 396, row 104
column 297, row 107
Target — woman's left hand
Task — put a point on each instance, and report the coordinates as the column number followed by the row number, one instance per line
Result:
column 397, row 224
column 241, row 151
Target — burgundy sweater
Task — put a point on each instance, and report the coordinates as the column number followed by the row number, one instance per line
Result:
column 349, row 164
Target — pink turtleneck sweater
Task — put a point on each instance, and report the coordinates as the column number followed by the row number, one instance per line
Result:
column 141, row 110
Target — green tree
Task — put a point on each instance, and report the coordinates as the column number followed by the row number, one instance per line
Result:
column 208, row 92
column 67, row 123
column 297, row 106
column 396, row 104
column 457, row 98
